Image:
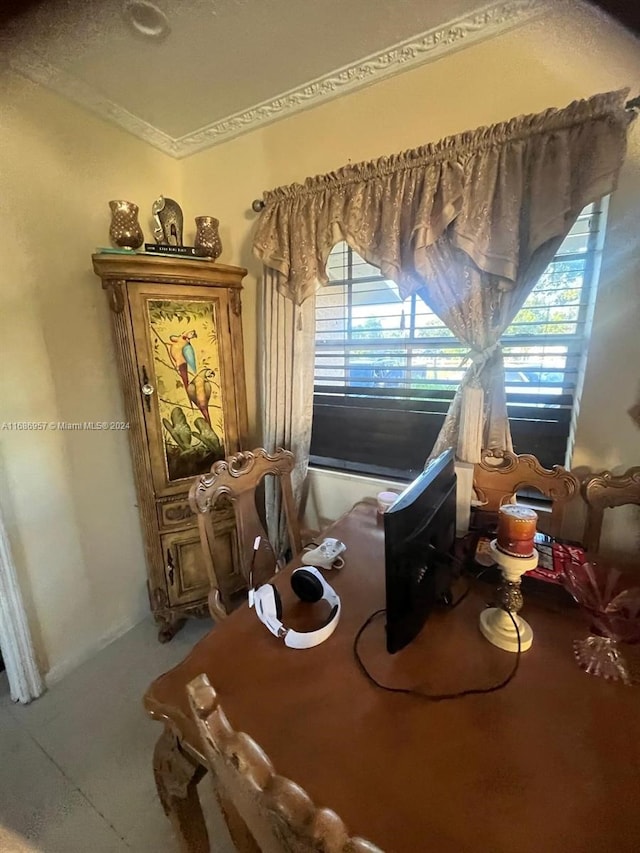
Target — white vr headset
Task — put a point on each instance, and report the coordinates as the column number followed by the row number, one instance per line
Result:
column 309, row 585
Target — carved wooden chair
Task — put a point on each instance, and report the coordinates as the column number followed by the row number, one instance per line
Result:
column 603, row 491
column 500, row 474
column 237, row 479
column 265, row 813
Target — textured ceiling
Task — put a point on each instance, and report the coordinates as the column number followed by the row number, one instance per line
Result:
column 227, row 65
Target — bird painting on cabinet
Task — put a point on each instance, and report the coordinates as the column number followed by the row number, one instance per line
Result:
column 183, row 355
column 199, row 391
column 187, row 367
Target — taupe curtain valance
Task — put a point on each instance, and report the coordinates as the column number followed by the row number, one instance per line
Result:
column 471, row 222
column 498, row 194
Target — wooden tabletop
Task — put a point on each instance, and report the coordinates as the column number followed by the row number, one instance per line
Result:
column 550, row 763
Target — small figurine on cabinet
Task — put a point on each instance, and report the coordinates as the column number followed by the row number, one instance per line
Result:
column 168, row 216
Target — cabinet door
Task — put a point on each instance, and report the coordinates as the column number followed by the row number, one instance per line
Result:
column 186, row 361
column 185, row 571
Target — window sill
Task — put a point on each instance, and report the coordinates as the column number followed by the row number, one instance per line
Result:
column 365, row 471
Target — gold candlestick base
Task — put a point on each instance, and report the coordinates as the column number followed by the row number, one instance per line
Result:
column 495, row 623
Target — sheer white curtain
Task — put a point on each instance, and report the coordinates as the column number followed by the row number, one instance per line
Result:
column 287, row 392
column 478, row 307
column 25, row 682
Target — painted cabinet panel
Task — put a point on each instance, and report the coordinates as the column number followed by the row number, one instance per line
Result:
column 179, row 345
column 178, row 337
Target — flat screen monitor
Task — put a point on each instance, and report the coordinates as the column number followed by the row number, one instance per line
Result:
column 419, row 533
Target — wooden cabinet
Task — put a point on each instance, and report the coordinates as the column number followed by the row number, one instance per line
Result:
column 178, row 339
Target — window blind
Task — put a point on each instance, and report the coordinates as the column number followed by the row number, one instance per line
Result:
column 386, row 369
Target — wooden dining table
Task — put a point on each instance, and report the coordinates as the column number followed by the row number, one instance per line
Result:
column 548, row 764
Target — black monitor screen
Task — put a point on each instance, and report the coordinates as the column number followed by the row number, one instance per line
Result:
column 419, row 531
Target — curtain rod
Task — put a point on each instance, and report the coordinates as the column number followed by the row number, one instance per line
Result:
column 257, row 205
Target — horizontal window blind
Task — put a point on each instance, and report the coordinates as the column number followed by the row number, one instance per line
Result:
column 382, row 363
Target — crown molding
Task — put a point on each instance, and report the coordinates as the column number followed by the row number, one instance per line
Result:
column 468, row 29
column 471, row 28
column 35, row 68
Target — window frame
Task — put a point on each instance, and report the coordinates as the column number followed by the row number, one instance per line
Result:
column 547, row 436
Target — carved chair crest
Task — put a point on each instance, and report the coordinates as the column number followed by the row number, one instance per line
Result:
column 237, row 479
column 223, row 479
column 501, row 473
column 606, row 490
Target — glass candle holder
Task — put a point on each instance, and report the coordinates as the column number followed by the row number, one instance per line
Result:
column 516, row 529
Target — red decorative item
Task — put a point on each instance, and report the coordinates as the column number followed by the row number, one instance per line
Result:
column 612, row 600
column 553, row 559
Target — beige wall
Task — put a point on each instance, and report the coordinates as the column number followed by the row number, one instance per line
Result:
column 68, row 497
column 548, row 62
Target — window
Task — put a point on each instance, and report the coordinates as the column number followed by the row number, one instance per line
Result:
column 386, row 370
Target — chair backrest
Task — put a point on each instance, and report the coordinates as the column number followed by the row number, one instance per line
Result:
column 602, row 491
column 276, row 815
column 500, row 474
column 237, row 479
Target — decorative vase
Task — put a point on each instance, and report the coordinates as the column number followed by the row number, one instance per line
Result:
column 207, row 241
column 125, row 231
column 612, row 601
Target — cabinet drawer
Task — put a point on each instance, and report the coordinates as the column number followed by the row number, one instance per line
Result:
column 177, row 513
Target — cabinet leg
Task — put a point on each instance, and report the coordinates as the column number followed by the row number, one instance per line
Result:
column 177, row 776
column 169, row 627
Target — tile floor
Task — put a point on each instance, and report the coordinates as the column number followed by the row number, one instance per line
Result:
column 75, row 765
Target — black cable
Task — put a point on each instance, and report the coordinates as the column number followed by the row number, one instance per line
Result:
column 451, row 558
column 469, row 587
column 434, row 697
